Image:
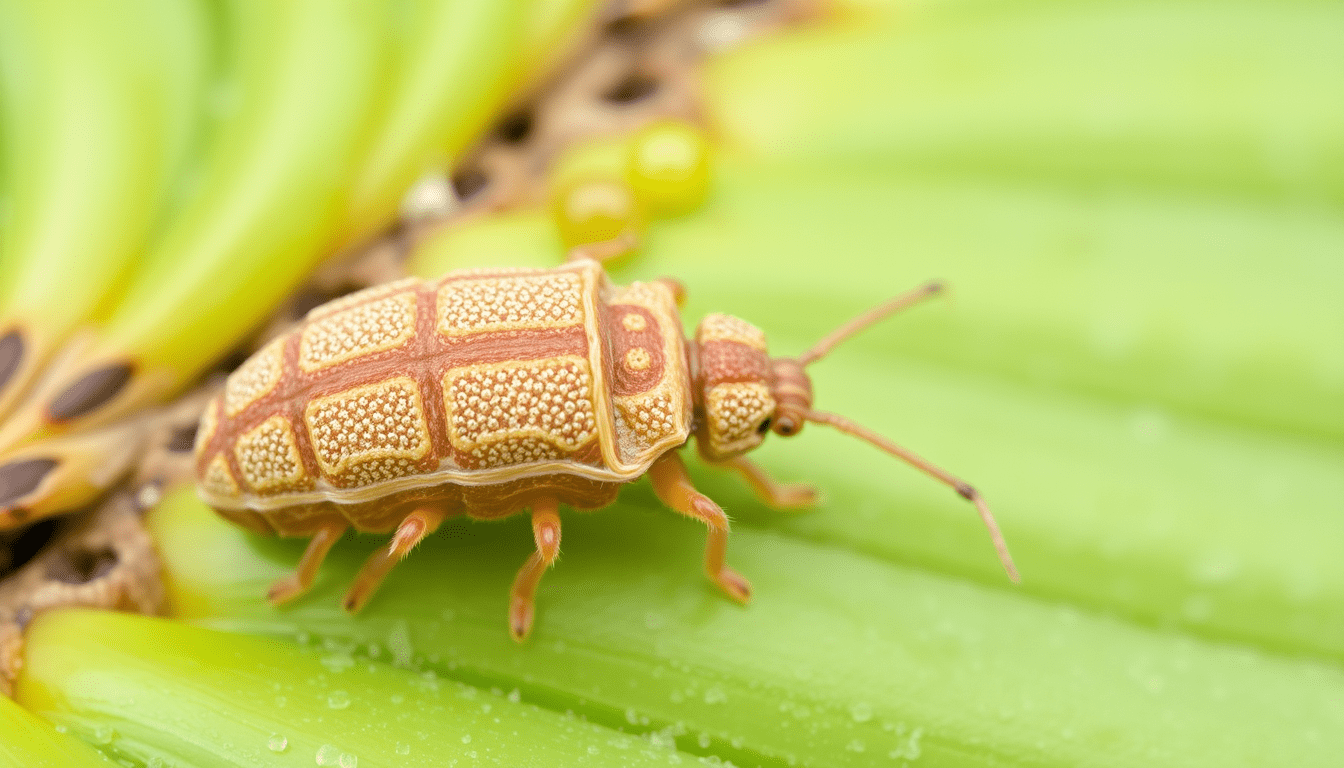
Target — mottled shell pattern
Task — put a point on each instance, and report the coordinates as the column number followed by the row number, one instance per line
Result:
column 481, row 377
column 736, row 378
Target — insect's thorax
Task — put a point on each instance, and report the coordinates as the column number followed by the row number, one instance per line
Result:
column 480, row 377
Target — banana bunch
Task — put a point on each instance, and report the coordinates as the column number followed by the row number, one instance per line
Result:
column 1137, row 206
column 172, row 170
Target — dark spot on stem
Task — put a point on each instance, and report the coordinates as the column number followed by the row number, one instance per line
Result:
column 19, row 478
column 11, row 354
column 91, row 391
column 183, row 438
column 82, row 565
column 467, row 182
column 631, row 89
column 515, row 128
column 966, row 491
column 31, row 541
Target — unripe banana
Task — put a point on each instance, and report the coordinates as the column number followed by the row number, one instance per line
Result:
column 99, row 104
column 450, row 70
column 298, row 85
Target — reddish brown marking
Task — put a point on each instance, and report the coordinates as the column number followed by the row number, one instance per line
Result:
column 293, row 409
column 727, row 362
column 620, row 340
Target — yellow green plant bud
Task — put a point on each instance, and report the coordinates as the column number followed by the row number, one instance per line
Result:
column 668, row 166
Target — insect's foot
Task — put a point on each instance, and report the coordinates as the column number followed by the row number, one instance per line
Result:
column 733, row 584
column 795, row 496
column 356, row 598
column 520, row 620
column 284, row 590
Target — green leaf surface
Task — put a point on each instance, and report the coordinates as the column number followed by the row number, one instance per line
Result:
column 209, row 699
column 30, row 742
column 1230, row 98
column 1115, row 485
column 841, row 659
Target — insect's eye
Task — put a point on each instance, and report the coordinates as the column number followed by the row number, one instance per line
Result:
column 763, row 428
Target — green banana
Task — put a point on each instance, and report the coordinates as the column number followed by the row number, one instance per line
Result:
column 209, row 699
column 298, row 85
column 451, row 69
column 99, row 104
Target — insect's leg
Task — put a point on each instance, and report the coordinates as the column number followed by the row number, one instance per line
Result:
column 674, row 488
column 298, row 582
column 771, row 491
column 413, row 529
column 606, row 250
column 546, row 533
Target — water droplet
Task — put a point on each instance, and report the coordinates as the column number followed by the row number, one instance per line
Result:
column 277, row 743
column 855, row 746
column 910, row 749
column 676, row 697
column 328, row 754
column 593, row 750
column 632, row 715
column 466, row 738
column 703, row 740
column 104, row 734
column 715, row 695
column 375, row 650
column 397, row 698
column 515, row 696
column 281, row 701
column 399, row 644
column 861, row 712
column 338, row 699
column 155, row 762
column 403, row 748
column 62, row 729
column 338, row 662
column 348, row 761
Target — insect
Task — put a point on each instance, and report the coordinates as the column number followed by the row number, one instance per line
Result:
column 489, row 392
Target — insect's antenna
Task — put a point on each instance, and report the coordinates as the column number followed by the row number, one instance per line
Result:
column 961, row 487
column 823, row 347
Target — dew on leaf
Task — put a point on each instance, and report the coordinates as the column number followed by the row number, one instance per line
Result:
column 338, row 699
column 328, row 754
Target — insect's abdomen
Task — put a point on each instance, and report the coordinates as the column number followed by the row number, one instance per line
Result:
column 479, row 378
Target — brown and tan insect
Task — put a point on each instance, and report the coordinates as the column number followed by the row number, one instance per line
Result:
column 488, row 392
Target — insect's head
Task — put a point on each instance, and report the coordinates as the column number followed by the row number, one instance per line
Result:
column 742, row 393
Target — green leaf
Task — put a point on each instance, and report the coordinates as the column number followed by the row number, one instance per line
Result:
column 841, row 658
column 30, row 742
column 212, row 699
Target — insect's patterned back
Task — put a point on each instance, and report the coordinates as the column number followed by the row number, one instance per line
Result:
column 480, row 377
